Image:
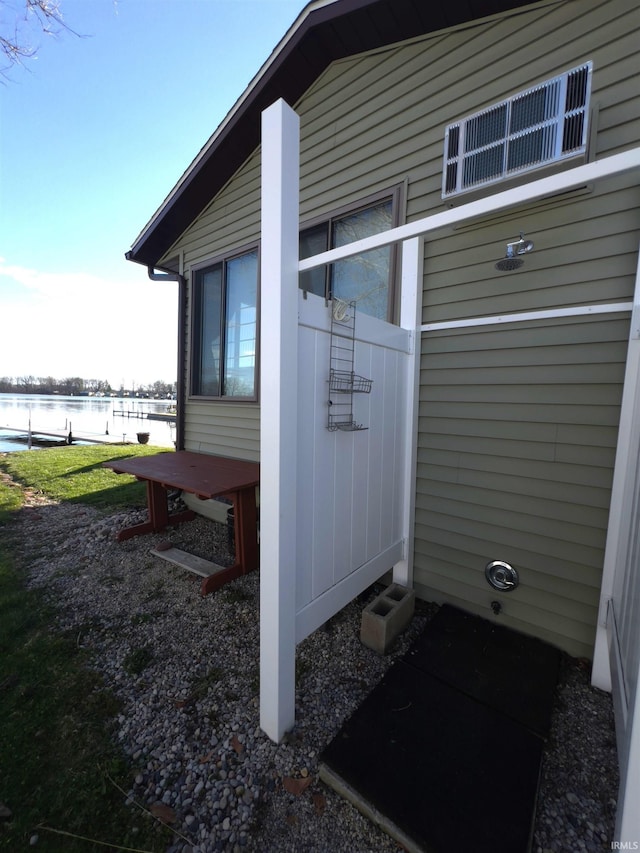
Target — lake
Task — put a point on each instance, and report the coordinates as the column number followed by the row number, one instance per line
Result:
column 91, row 416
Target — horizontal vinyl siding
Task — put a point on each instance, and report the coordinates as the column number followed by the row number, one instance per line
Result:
column 226, row 429
column 517, row 437
column 585, row 252
column 231, row 221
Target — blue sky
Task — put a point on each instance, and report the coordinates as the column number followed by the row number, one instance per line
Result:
column 94, row 133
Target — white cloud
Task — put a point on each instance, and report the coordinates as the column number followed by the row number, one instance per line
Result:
column 88, row 325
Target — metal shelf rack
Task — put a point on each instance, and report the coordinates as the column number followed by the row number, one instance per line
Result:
column 343, row 381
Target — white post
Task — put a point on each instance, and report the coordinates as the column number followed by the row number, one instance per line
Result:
column 410, row 318
column 621, row 490
column 278, row 416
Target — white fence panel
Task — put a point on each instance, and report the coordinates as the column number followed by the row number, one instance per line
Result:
column 626, row 602
column 619, row 620
column 348, row 483
column 624, row 638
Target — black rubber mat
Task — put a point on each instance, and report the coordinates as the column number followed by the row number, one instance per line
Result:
column 506, row 670
column 430, row 754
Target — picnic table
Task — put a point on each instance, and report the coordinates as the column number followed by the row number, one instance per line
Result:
column 205, row 476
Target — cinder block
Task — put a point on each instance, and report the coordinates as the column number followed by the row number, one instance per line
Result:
column 386, row 617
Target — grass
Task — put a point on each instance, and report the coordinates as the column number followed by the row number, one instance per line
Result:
column 59, row 767
column 75, row 473
column 10, row 500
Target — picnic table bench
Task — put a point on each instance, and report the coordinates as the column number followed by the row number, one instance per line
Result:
column 205, row 476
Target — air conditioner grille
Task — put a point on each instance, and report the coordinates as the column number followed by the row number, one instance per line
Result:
column 539, row 126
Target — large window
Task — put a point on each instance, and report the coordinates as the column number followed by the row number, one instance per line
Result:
column 364, row 278
column 224, row 328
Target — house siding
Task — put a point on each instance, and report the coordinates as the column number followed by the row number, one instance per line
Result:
column 231, row 220
column 516, row 444
column 533, row 407
column 225, row 429
column 586, row 246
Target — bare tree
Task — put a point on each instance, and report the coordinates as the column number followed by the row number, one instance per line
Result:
column 20, row 20
column 26, row 383
column 72, row 385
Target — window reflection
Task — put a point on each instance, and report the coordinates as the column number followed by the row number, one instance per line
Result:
column 364, row 278
column 240, row 349
column 225, row 325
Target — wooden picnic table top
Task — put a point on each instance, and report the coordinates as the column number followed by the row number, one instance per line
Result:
column 201, row 474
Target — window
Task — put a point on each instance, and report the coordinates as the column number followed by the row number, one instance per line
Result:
column 542, row 125
column 224, row 328
column 364, row 278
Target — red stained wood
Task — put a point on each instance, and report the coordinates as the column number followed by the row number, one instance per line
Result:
column 199, row 473
column 207, row 477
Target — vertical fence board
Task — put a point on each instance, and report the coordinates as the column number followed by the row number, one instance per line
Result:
column 349, row 483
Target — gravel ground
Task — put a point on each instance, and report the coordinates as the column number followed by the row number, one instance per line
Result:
column 186, row 669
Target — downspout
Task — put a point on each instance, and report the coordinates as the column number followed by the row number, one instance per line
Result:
column 182, row 315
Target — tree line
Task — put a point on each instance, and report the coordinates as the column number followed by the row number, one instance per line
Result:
column 76, row 386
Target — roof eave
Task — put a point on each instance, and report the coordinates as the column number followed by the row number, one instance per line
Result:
column 317, row 37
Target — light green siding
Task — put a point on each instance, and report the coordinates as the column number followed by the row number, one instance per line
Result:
column 586, row 246
column 517, row 438
column 227, row 429
column 518, row 422
column 230, row 222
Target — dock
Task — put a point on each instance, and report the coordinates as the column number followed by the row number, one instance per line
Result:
column 162, row 416
column 129, row 413
column 170, row 417
column 59, row 436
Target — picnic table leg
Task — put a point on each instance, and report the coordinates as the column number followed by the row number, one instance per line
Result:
column 146, row 526
column 246, row 541
column 159, row 517
column 246, row 529
column 158, row 506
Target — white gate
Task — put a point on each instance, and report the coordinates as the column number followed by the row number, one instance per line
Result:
column 349, row 483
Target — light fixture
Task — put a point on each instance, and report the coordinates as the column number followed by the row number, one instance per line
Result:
column 511, row 261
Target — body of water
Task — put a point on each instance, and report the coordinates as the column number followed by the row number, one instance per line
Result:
column 98, row 417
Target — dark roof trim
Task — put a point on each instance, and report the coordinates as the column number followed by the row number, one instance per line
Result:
column 324, row 31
